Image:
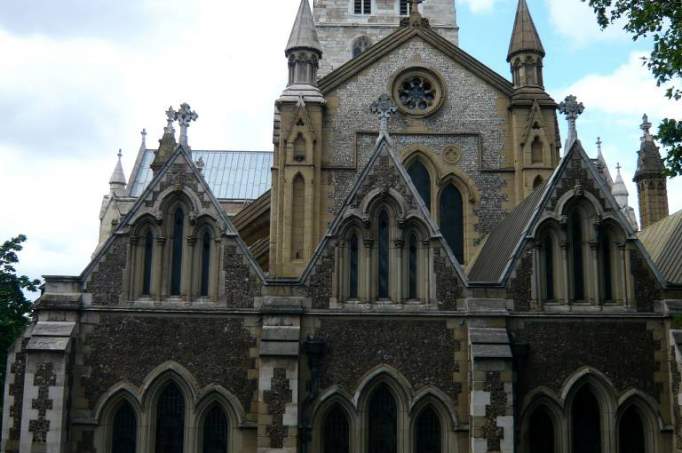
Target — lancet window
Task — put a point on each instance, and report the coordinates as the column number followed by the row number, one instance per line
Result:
column 215, row 431
column 422, row 181
column 176, row 252
column 383, row 256
column 336, row 432
column 124, row 430
column 428, row 432
column 383, row 422
column 170, row 420
column 452, row 220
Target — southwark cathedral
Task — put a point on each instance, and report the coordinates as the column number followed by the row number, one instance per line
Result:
column 420, row 264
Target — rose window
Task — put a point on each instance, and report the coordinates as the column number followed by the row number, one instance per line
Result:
column 417, row 92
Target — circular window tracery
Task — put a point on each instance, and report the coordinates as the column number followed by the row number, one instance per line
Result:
column 418, row 92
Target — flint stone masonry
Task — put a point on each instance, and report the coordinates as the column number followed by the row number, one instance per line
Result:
column 106, row 282
column 470, row 114
column 423, row 351
column 557, row 349
column 214, row 350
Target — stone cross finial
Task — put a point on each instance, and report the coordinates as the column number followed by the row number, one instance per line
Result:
column 383, row 107
column 646, row 127
column 184, row 117
column 599, row 143
column 170, row 118
column 618, row 167
column 414, row 6
column 572, row 109
column 143, row 143
column 120, row 153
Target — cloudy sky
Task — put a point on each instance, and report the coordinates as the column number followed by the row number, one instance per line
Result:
column 80, row 78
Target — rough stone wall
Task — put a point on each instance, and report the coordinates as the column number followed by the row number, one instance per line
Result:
column 676, row 390
column 106, row 282
column 576, row 174
column 647, row 290
column 319, row 287
column 423, row 351
column 520, row 286
column 242, row 283
column 472, row 116
column 338, row 26
column 448, row 286
column 625, row 351
column 124, row 348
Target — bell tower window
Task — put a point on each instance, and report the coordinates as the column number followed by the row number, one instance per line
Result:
column 362, row 7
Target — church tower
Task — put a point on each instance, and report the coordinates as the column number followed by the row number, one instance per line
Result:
column 348, row 27
column 650, row 179
column 534, row 122
column 297, row 161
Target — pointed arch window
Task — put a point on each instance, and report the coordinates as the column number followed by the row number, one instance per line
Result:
column 428, row 432
column 176, row 259
column 215, row 432
column 336, row 432
column 537, row 182
column 422, row 181
column 383, row 255
column 576, row 242
column 170, row 420
column 412, row 267
column 124, row 431
column 383, row 422
column 147, row 263
column 586, row 421
column 631, row 432
column 548, row 249
column 541, row 432
column 452, row 220
column 353, row 274
column 605, row 262
column 205, row 263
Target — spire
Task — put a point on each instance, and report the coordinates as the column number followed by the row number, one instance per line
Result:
column 304, row 53
column 117, row 182
column 649, row 162
column 619, row 191
column 572, row 109
column 304, row 34
column 525, row 36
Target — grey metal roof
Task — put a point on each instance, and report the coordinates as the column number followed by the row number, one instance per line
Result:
column 499, row 247
column 663, row 241
column 231, row 175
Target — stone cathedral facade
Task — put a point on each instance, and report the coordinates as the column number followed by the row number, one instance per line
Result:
column 416, row 267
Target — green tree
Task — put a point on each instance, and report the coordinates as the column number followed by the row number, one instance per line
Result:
column 660, row 20
column 15, row 309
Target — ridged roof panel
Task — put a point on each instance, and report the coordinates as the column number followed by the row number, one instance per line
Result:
column 663, row 241
column 231, row 175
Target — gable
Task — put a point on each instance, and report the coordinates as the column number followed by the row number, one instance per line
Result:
column 383, row 181
column 178, row 180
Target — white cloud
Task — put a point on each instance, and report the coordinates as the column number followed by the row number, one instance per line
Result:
column 479, row 6
column 576, row 20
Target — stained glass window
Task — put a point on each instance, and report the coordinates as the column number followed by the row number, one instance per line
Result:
column 383, row 255
column 541, row 432
column 428, row 435
column 422, row 181
column 383, row 422
column 586, row 423
column 412, row 267
column 577, row 255
column 353, row 293
column 170, row 420
column 147, row 267
column 336, row 432
column 205, row 262
column 215, row 433
column 176, row 263
column 631, row 432
column 452, row 220
column 124, row 431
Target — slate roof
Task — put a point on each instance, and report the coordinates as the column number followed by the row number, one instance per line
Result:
column 663, row 241
column 231, row 175
column 304, row 34
column 499, row 248
column 525, row 36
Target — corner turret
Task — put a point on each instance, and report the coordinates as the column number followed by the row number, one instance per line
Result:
column 650, row 178
column 525, row 51
column 117, row 182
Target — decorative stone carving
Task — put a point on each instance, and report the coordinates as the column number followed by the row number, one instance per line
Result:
column 276, row 399
column 418, row 92
column 384, row 108
column 44, row 378
column 452, row 154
